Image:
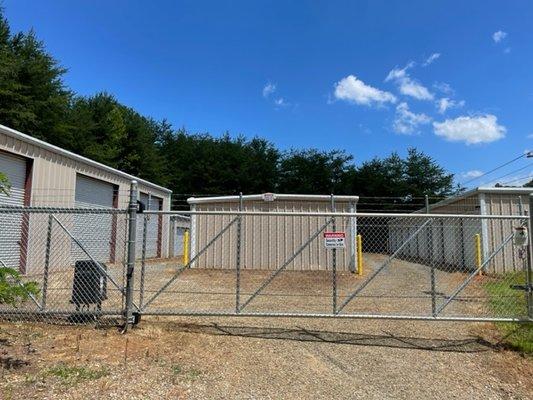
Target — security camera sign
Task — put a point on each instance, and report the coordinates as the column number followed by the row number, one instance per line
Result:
column 335, row 240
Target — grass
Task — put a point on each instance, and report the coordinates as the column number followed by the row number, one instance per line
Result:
column 73, row 375
column 189, row 374
column 508, row 301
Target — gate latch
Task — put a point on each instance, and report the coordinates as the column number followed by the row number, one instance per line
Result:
column 526, row 288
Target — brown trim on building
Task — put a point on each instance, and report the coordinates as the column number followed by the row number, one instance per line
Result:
column 25, row 223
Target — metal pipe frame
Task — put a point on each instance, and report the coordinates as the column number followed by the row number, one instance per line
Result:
column 472, row 275
column 381, row 268
column 188, row 265
column 102, row 270
column 335, row 214
column 47, row 261
column 346, row 316
column 285, row 264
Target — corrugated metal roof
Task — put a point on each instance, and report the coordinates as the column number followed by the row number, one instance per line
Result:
column 40, row 143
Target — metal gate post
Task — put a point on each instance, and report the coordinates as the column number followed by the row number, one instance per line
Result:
column 132, row 232
column 529, row 270
column 47, row 261
column 238, row 260
column 334, row 260
column 431, row 264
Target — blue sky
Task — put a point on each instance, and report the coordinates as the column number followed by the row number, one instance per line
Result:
column 452, row 78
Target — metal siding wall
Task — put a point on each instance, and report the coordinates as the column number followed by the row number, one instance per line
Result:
column 268, row 240
column 53, row 185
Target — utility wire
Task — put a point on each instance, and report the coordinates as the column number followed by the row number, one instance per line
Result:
column 519, row 179
column 512, row 172
column 495, row 169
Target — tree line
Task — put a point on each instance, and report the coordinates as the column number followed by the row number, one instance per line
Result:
column 35, row 100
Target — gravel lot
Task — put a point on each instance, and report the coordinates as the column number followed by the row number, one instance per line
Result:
column 254, row 358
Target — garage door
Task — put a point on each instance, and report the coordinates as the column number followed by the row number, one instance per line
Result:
column 93, row 230
column 152, row 228
column 10, row 234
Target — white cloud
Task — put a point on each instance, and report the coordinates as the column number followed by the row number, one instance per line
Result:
column 499, row 36
column 471, row 130
column 407, row 85
column 444, row 88
column 446, row 103
column 475, row 173
column 269, row 89
column 356, row 91
column 407, row 122
column 530, row 136
column 281, row 102
column 431, row 59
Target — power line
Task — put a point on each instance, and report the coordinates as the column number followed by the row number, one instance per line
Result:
column 519, row 179
column 512, row 172
column 495, row 169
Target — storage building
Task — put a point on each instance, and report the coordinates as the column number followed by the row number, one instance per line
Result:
column 269, row 241
column 453, row 239
column 44, row 175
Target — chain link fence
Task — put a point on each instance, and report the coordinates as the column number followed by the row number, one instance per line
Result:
column 108, row 265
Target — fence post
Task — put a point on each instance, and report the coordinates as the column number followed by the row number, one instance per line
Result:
column 529, row 271
column 238, row 260
column 431, row 263
column 132, row 232
column 334, row 260
column 47, row 261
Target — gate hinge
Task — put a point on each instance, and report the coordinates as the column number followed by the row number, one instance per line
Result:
column 527, row 287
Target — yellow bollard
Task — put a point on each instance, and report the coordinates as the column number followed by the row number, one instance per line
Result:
column 359, row 255
column 186, row 247
column 477, row 240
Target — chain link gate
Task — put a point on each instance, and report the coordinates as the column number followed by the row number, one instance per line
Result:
column 89, row 264
column 421, row 266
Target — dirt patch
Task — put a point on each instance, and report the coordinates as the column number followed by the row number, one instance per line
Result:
column 247, row 358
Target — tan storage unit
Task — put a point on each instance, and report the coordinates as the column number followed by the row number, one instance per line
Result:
column 268, row 241
column 51, row 182
column 453, row 239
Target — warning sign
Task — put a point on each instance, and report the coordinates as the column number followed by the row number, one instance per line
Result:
column 334, row 240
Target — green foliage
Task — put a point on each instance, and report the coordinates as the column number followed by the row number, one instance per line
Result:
column 73, row 375
column 12, row 289
column 5, row 185
column 503, row 298
column 33, row 98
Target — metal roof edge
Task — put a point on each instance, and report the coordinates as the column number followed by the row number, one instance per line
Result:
column 278, row 196
column 56, row 149
column 477, row 190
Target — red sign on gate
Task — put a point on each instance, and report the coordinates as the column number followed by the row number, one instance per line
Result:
column 334, row 240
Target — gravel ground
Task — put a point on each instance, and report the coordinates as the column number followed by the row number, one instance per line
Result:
column 254, row 358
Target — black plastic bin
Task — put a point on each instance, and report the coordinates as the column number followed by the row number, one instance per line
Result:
column 90, row 283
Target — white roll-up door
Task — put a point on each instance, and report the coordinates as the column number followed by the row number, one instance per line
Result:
column 10, row 233
column 152, row 227
column 94, row 231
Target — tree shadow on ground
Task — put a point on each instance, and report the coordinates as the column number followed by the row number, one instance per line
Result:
column 387, row 339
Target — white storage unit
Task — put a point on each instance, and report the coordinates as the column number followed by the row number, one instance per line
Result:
column 11, row 231
column 94, row 231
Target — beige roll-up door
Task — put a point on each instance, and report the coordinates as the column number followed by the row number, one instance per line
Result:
column 93, row 230
column 11, row 233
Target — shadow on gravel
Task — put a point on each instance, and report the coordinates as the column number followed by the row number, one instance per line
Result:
column 387, row 339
